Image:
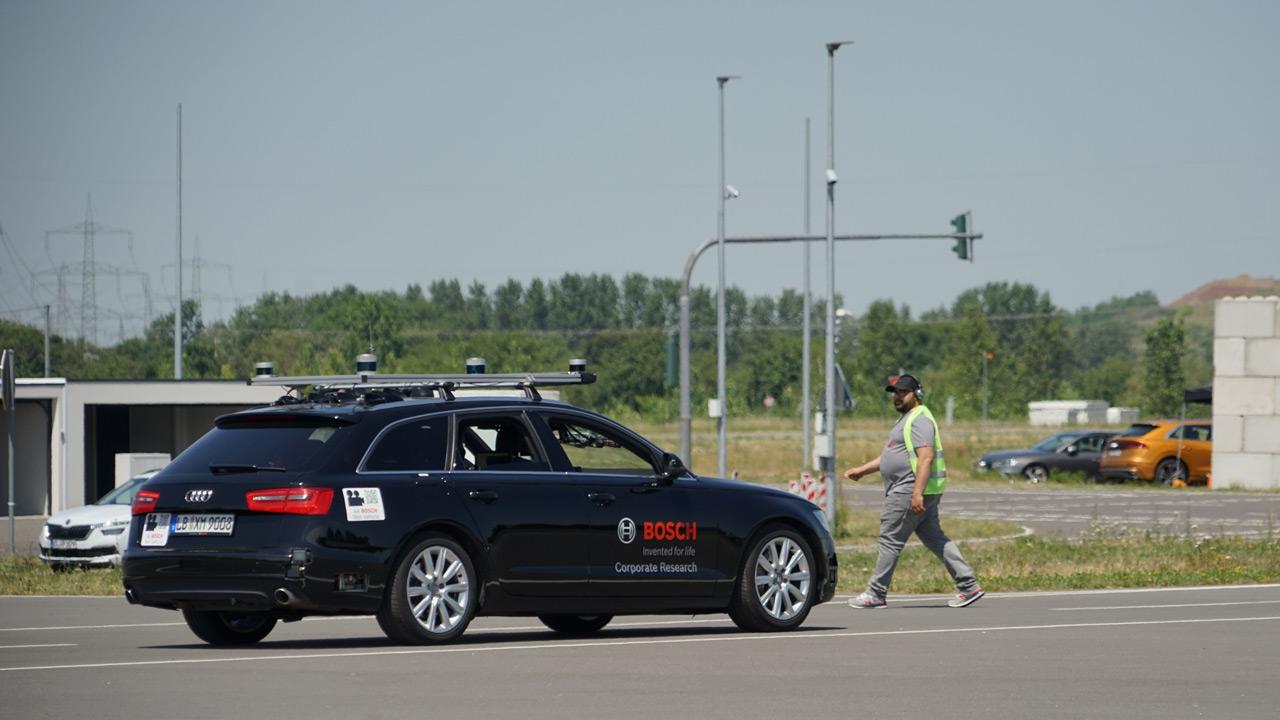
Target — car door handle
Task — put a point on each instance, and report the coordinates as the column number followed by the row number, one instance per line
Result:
column 484, row 496
column 600, row 498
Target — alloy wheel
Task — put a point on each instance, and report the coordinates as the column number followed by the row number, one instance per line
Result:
column 782, row 578
column 438, row 589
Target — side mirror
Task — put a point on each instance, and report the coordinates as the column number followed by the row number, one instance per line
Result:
column 672, row 467
column 1072, row 450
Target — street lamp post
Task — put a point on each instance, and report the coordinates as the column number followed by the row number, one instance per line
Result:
column 829, row 406
column 986, row 356
column 723, row 193
column 806, row 359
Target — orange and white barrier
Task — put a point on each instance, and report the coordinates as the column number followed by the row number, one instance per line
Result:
column 811, row 489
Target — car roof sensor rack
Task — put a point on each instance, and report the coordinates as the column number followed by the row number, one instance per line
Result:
column 368, row 383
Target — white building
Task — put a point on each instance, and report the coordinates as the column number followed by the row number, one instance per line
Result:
column 1067, row 412
column 69, row 431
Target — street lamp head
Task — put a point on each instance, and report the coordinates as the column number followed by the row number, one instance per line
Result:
column 831, row 177
column 833, row 46
column 731, row 192
column 722, row 79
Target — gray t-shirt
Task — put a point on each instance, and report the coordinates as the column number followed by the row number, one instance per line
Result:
column 895, row 466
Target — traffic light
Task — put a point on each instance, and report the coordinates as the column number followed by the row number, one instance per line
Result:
column 963, row 224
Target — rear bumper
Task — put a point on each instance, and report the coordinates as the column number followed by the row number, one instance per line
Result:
column 284, row 581
column 1132, row 465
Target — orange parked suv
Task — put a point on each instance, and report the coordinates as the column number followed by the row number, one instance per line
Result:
column 1150, row 451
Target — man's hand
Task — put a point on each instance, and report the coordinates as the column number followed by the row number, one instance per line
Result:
column 863, row 470
column 917, row 503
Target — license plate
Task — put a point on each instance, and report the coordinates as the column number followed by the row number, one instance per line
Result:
column 1113, row 453
column 62, row 544
column 220, row 524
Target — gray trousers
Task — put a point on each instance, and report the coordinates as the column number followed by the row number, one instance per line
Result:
column 897, row 522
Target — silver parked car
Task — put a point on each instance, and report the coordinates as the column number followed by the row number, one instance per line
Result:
column 92, row 535
column 1074, row 451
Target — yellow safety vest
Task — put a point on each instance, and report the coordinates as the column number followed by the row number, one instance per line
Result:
column 938, row 478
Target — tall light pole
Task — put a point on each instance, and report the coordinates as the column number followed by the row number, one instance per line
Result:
column 723, row 192
column 829, row 409
column 177, row 313
column 806, row 359
column 986, row 356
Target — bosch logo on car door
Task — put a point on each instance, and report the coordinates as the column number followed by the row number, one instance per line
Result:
column 670, row 530
column 645, row 536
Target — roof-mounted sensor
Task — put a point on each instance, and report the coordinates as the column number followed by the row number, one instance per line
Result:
column 368, row 383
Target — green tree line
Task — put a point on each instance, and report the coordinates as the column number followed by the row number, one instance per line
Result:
column 1128, row 351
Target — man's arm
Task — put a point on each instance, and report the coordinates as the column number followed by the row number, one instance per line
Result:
column 863, row 470
column 924, row 468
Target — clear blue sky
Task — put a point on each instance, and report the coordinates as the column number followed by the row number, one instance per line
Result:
column 1103, row 147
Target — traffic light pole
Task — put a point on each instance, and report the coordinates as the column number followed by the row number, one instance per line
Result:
column 686, row 417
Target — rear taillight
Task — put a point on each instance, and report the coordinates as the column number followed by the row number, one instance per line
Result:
column 291, row 500
column 144, row 502
column 1127, row 445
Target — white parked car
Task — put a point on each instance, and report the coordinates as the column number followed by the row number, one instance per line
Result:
column 93, row 535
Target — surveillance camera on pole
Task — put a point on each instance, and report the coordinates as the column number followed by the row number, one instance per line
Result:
column 831, row 177
column 731, row 192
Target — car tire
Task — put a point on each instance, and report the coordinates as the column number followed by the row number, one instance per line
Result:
column 1035, row 473
column 777, row 582
column 575, row 624
column 1169, row 469
column 229, row 628
column 432, row 594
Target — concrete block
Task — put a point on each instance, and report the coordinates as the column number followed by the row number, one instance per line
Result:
column 1228, row 357
column 1228, row 433
column 1243, row 470
column 1261, row 434
column 1244, row 318
column 1261, row 356
column 1244, row 396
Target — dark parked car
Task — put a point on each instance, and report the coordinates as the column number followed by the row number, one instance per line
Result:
column 389, row 495
column 1074, row 451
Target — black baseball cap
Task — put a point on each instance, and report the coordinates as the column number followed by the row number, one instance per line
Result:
column 902, row 382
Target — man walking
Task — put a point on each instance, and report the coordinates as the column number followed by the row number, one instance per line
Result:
column 915, row 476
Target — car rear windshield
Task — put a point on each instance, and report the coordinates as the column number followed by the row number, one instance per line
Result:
column 294, row 446
column 1137, row 430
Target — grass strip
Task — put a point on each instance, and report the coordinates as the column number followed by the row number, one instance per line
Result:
column 22, row 575
column 1134, row 560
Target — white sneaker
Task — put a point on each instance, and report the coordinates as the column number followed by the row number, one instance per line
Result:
column 966, row 598
column 867, row 601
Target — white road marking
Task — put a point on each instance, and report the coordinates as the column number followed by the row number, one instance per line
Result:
column 752, row 637
column 88, row 627
column 1180, row 605
column 17, row 647
column 1063, row 593
column 836, row 603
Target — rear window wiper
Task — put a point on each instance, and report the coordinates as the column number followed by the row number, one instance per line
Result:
column 226, row 468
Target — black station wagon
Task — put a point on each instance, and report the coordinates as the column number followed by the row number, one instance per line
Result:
column 410, row 499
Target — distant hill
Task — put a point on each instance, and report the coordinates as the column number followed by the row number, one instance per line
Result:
column 1232, row 287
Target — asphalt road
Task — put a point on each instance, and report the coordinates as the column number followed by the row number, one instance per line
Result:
column 1166, row 654
column 1070, row 512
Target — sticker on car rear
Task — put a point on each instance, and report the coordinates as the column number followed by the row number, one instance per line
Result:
column 155, row 530
column 363, row 504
